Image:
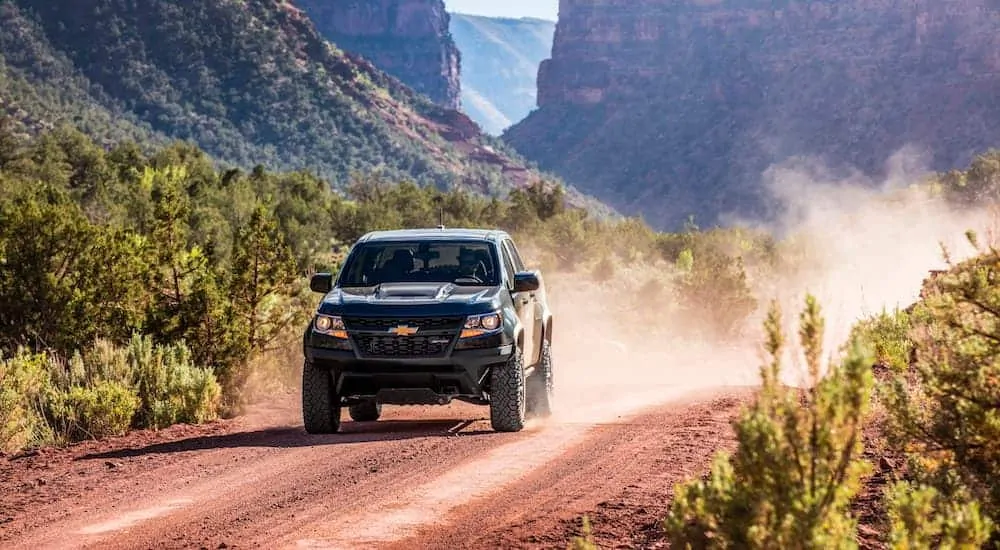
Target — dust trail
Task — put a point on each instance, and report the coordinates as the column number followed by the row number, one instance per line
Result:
column 859, row 246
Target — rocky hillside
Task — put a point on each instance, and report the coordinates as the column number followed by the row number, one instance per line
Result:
column 671, row 108
column 500, row 59
column 408, row 39
column 249, row 81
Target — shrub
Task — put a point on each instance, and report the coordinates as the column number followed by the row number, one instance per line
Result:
column 604, row 271
column 23, row 383
column 171, row 389
column 920, row 518
column 797, row 466
column 714, row 291
column 947, row 414
column 586, row 540
column 888, row 335
column 106, row 409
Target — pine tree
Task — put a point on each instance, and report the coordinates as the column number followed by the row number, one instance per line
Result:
column 263, row 268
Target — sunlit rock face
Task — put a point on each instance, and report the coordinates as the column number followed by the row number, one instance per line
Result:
column 408, row 39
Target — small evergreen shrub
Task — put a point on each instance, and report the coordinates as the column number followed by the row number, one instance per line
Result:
column 921, row 518
column 888, row 335
column 23, row 383
column 105, row 409
column 797, row 465
column 946, row 414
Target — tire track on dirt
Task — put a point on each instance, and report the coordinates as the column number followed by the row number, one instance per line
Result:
column 560, row 449
column 622, row 476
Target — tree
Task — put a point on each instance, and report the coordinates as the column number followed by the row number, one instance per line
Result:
column 169, row 235
column 263, row 268
column 66, row 280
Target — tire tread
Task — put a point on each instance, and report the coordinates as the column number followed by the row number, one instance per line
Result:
column 320, row 407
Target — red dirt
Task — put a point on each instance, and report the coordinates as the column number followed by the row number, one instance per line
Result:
column 433, row 477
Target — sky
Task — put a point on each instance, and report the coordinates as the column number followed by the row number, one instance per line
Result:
column 543, row 9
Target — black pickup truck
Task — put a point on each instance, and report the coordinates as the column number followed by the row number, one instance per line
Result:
column 425, row 317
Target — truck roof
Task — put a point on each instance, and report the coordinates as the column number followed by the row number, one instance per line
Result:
column 433, row 234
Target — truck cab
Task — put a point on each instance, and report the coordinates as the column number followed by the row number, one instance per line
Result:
column 425, row 317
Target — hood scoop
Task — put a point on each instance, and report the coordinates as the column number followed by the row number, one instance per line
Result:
column 414, row 291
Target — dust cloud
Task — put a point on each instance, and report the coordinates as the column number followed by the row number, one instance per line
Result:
column 859, row 246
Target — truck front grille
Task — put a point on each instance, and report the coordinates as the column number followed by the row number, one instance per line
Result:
column 427, row 336
column 374, row 345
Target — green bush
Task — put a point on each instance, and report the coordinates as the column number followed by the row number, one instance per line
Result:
column 586, row 540
column 888, row 335
column 946, row 414
column 714, row 292
column 24, row 381
column 604, row 270
column 105, row 409
column 920, row 518
column 797, row 466
column 103, row 391
column 171, row 389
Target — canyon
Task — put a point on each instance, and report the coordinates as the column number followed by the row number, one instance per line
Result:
column 500, row 59
column 670, row 108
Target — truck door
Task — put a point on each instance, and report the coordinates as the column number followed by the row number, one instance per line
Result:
column 524, row 303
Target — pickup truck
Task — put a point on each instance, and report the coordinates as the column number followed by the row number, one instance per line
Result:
column 426, row 317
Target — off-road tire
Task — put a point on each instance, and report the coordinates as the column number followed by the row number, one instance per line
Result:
column 541, row 385
column 508, row 395
column 369, row 411
column 320, row 404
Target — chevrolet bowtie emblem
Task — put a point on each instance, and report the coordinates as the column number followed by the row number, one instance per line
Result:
column 403, row 330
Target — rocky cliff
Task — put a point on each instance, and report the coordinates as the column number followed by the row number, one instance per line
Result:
column 409, row 39
column 670, row 108
column 500, row 59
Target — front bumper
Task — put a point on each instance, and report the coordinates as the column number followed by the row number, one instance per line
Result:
column 461, row 374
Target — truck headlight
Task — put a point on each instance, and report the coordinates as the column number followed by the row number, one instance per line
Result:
column 479, row 325
column 330, row 325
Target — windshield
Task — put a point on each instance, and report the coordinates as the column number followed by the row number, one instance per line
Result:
column 459, row 262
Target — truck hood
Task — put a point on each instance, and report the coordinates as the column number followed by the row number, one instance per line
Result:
column 417, row 299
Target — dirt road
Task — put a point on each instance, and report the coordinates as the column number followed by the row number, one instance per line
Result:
column 421, row 478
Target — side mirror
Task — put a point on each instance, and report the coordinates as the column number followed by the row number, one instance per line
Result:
column 526, row 281
column 321, row 283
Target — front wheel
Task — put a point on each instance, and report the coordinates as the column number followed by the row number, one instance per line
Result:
column 320, row 404
column 508, row 395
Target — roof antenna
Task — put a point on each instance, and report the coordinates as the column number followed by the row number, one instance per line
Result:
column 439, row 200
